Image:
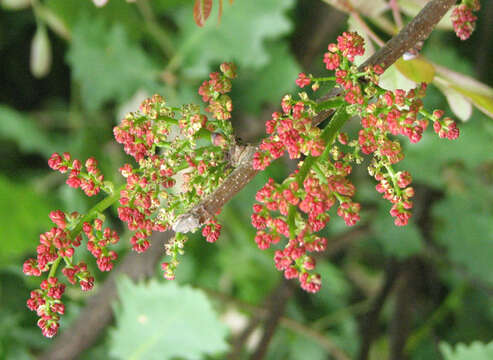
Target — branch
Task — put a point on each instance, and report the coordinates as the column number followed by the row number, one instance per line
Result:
column 369, row 322
column 304, row 330
column 277, row 306
column 404, row 307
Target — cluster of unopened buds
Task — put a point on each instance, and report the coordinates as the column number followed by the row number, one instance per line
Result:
column 298, row 208
column 181, row 155
column 463, row 19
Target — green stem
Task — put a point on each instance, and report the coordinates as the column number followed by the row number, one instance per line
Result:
column 329, row 104
column 328, row 135
column 54, row 267
column 154, row 29
column 323, row 79
column 393, row 177
column 292, row 227
column 90, row 216
column 95, row 210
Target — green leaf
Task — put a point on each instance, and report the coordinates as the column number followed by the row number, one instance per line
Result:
column 399, row 241
column 482, row 101
column 474, row 351
column 465, row 228
column 18, row 127
column 23, row 216
column 393, row 79
column 164, row 321
column 458, row 103
column 107, row 64
column 240, row 37
column 418, row 69
column 269, row 83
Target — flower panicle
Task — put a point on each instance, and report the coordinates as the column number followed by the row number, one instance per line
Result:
column 299, row 207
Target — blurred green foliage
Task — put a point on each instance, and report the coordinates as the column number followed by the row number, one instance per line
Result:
column 108, row 59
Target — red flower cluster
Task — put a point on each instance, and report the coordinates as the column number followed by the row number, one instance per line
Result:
column 90, row 182
column 211, row 230
column 57, row 242
column 303, row 80
column 98, row 241
column 79, row 272
column 349, row 45
column 446, row 128
column 291, row 131
column 304, row 199
column 385, row 113
column 214, row 92
column 463, row 20
column 307, row 207
column 46, row 302
column 175, row 167
column 140, row 200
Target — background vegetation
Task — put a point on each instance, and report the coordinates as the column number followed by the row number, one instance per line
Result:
column 411, row 292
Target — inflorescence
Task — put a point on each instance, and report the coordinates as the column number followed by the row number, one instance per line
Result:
column 180, row 154
column 463, row 19
column 299, row 207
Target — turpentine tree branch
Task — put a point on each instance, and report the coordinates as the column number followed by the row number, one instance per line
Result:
column 97, row 315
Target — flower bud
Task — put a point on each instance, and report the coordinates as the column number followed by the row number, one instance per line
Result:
column 40, row 53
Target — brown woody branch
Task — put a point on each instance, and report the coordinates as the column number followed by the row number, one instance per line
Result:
column 369, row 321
column 97, row 314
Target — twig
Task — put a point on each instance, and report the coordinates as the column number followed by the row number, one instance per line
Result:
column 244, row 336
column 269, row 311
column 400, row 325
column 154, row 28
column 367, row 29
column 369, row 322
column 396, row 13
column 287, row 323
column 418, row 29
column 277, row 306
